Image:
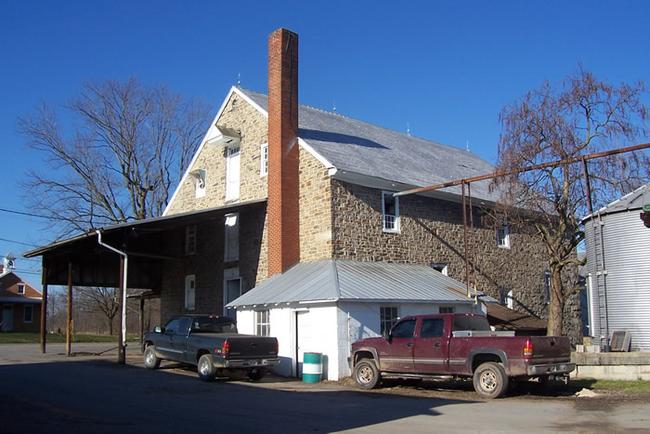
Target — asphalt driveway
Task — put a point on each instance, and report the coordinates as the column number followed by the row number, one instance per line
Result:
column 87, row 394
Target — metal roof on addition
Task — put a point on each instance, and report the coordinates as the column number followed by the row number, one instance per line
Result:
column 346, row 280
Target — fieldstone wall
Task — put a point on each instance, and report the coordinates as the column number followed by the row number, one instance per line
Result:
column 432, row 231
column 315, row 209
column 240, row 116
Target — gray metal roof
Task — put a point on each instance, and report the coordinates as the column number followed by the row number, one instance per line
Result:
column 631, row 201
column 359, row 147
column 345, row 280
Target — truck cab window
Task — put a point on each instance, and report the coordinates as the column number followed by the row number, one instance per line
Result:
column 471, row 323
column 172, row 326
column 404, row 329
column 432, row 328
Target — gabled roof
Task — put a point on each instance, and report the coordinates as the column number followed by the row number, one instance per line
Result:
column 355, row 147
column 631, row 201
column 345, row 280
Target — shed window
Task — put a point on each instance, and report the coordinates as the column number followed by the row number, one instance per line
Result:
column 390, row 212
column 231, row 237
column 262, row 323
column 190, row 240
column 387, row 317
column 190, row 291
column 264, row 159
column 446, row 309
column 21, row 288
column 28, row 314
column 503, row 237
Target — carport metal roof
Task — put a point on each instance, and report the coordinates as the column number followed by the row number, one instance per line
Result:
column 148, row 243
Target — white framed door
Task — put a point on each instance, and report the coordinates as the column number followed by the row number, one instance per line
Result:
column 232, row 173
column 231, row 290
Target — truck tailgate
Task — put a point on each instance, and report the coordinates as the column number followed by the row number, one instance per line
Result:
column 245, row 347
column 548, row 349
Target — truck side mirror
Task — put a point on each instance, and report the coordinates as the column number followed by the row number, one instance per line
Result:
column 158, row 329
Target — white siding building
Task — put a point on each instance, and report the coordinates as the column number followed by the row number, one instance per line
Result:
column 327, row 305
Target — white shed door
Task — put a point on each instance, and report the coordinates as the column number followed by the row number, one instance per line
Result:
column 309, row 334
column 7, row 318
column 232, row 173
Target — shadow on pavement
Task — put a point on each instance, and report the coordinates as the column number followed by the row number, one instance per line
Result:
column 101, row 396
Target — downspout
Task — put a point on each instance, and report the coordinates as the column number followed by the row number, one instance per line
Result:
column 124, row 283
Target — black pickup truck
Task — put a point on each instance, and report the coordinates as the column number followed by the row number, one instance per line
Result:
column 212, row 344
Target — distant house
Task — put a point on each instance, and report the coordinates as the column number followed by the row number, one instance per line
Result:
column 20, row 304
column 618, row 270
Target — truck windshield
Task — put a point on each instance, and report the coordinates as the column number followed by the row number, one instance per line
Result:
column 213, row 324
column 471, row 322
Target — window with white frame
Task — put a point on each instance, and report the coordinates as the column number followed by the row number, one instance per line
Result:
column 199, row 182
column 28, row 314
column 190, row 240
column 389, row 212
column 388, row 316
column 262, row 323
column 264, row 159
column 231, row 237
column 232, row 173
column 446, row 309
column 503, row 236
column 21, row 288
column 190, row 291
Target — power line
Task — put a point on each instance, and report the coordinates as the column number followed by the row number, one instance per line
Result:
column 18, row 242
column 30, row 214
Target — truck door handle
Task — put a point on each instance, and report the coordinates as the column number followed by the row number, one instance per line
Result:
column 409, row 344
column 436, row 345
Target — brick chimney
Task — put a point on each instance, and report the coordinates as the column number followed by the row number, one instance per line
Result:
column 283, row 177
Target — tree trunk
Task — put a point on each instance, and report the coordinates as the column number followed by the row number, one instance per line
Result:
column 556, row 306
column 110, row 326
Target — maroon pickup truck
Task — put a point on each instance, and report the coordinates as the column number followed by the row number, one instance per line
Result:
column 459, row 345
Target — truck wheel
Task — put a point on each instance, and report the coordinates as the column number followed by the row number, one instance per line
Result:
column 151, row 361
column 366, row 374
column 490, row 380
column 256, row 374
column 205, row 368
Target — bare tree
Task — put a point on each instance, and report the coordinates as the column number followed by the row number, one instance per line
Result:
column 581, row 116
column 117, row 159
column 103, row 300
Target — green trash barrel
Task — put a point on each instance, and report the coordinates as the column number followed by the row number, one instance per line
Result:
column 312, row 367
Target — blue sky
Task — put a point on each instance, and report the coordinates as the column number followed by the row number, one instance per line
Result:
column 445, row 68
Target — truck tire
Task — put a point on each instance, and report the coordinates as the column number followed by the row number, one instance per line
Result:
column 151, row 360
column 256, row 374
column 490, row 380
column 366, row 374
column 205, row 368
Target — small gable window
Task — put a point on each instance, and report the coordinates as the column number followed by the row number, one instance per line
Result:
column 264, row 159
column 390, row 212
column 199, row 182
column 21, row 288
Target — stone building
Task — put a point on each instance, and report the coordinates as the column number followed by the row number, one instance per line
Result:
column 326, row 184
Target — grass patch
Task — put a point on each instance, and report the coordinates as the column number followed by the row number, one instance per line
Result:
column 34, row 338
column 631, row 387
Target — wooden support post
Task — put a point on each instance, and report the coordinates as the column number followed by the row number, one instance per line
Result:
column 44, row 309
column 68, row 329
column 465, row 238
column 121, row 353
column 141, row 321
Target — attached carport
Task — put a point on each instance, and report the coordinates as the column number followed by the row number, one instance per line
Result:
column 127, row 255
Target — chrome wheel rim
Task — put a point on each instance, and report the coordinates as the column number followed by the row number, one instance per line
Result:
column 204, row 368
column 149, row 358
column 365, row 375
column 488, row 381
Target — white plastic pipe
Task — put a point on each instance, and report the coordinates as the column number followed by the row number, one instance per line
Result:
column 124, row 283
